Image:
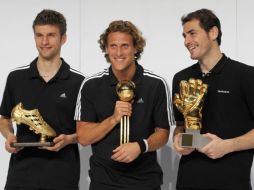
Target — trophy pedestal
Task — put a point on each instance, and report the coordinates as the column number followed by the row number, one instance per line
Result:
column 32, row 144
column 193, row 139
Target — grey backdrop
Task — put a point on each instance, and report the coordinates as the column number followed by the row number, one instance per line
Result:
column 164, row 54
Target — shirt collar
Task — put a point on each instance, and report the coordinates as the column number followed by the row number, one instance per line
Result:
column 215, row 70
column 62, row 73
column 136, row 78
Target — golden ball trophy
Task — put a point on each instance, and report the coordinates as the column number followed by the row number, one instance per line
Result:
column 125, row 91
column 190, row 102
column 35, row 122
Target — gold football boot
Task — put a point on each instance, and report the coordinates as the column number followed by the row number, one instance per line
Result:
column 34, row 120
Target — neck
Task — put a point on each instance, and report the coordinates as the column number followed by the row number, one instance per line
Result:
column 208, row 62
column 48, row 68
column 126, row 74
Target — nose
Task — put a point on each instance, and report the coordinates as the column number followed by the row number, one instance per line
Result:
column 187, row 40
column 119, row 51
column 45, row 40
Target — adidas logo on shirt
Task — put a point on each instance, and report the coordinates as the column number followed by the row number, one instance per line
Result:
column 63, row 95
column 140, row 101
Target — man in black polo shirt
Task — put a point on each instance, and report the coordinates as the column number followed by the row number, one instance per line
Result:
column 132, row 165
column 228, row 112
column 51, row 86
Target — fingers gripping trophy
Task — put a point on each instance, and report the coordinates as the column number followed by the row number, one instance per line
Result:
column 35, row 122
column 190, row 102
column 125, row 91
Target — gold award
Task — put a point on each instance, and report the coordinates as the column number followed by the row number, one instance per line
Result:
column 35, row 122
column 190, row 102
column 125, row 91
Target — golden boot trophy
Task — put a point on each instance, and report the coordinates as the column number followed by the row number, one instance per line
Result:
column 35, row 122
column 189, row 102
column 125, row 91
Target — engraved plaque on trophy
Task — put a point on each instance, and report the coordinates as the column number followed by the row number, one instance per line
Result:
column 126, row 92
column 190, row 102
column 35, row 122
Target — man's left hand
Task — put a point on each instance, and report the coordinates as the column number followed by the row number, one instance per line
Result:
column 126, row 152
column 217, row 148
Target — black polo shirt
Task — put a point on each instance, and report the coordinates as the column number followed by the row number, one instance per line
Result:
column 151, row 108
column 228, row 112
column 55, row 100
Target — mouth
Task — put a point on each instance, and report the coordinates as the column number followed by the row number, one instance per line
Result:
column 191, row 48
column 119, row 60
column 45, row 48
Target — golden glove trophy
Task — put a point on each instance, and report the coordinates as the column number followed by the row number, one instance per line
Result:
column 190, row 102
column 35, row 122
column 125, row 91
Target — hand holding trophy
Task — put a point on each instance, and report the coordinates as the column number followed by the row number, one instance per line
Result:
column 125, row 91
column 190, row 103
column 35, row 122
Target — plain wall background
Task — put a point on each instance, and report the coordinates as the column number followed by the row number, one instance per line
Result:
column 87, row 19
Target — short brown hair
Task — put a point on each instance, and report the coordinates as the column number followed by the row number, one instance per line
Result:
column 51, row 17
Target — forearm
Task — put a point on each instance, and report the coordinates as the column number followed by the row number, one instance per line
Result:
column 243, row 142
column 6, row 127
column 178, row 129
column 72, row 138
column 89, row 133
column 158, row 139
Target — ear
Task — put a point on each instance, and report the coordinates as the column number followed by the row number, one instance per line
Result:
column 63, row 39
column 213, row 33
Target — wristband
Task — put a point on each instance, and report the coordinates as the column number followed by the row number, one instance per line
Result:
column 142, row 145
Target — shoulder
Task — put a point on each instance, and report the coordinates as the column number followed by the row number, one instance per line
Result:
column 19, row 72
column 240, row 69
column 155, row 81
column 95, row 79
column 77, row 74
column 239, row 65
column 184, row 73
column 153, row 77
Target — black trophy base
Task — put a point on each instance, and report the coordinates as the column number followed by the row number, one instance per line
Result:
column 32, row 144
column 193, row 139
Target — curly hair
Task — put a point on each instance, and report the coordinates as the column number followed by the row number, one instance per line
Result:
column 51, row 17
column 124, row 27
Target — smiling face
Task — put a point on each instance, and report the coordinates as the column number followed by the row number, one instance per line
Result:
column 197, row 40
column 121, row 52
column 48, row 41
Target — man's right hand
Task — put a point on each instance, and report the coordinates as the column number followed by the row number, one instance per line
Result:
column 11, row 138
column 122, row 109
column 177, row 145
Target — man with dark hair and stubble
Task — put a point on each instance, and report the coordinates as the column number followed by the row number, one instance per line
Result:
column 227, row 116
column 132, row 164
column 51, row 86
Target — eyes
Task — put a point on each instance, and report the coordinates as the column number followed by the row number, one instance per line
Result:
column 39, row 35
column 191, row 33
column 123, row 46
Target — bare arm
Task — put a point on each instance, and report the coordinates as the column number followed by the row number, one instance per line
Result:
column 218, row 147
column 90, row 132
column 157, row 139
column 5, row 126
column 7, row 131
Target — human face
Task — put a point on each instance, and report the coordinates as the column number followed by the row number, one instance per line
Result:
column 121, row 52
column 197, row 40
column 48, row 41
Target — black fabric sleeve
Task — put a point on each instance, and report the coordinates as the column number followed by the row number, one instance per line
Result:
column 7, row 105
column 175, row 89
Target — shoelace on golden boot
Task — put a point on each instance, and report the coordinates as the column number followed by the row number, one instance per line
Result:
column 34, row 120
